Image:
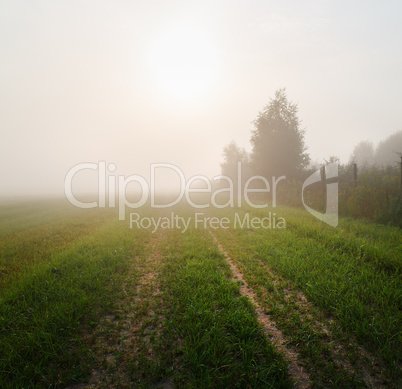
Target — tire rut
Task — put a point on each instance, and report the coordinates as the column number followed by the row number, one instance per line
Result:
column 296, row 370
column 125, row 333
column 364, row 364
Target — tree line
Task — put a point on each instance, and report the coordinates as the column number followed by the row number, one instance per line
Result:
column 279, row 149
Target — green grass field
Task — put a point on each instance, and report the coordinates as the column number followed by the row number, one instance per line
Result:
column 85, row 300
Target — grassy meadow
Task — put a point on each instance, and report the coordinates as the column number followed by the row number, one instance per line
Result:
column 87, row 301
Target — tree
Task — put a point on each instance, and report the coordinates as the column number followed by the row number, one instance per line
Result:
column 363, row 154
column 277, row 139
column 233, row 154
column 332, row 159
column 387, row 151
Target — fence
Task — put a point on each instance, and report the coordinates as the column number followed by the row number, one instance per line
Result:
column 372, row 193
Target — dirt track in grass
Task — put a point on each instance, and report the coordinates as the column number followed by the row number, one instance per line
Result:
column 124, row 334
column 296, row 370
column 364, row 365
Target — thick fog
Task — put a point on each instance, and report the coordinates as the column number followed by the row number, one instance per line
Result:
column 133, row 83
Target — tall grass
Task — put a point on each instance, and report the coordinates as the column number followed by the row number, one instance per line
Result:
column 223, row 343
column 43, row 310
column 376, row 195
column 352, row 272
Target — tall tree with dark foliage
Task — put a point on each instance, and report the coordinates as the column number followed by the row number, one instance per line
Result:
column 277, row 139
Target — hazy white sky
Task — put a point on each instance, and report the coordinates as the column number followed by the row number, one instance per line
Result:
column 135, row 82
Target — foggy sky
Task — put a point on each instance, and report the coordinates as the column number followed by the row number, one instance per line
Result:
column 76, row 83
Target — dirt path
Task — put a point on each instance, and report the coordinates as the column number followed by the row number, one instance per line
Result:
column 124, row 334
column 296, row 369
column 364, row 365
column 125, row 340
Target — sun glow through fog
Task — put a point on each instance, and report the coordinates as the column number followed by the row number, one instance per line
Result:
column 183, row 62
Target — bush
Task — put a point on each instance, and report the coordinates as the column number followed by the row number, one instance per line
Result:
column 375, row 196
